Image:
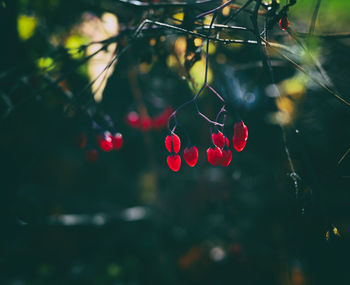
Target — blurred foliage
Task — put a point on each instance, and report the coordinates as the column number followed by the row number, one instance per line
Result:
column 26, row 26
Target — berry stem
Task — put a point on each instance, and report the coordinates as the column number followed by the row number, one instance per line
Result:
column 205, row 84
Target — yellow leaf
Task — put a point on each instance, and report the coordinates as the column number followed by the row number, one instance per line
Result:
column 45, row 63
column 197, row 42
column 74, row 43
column 226, row 11
column 179, row 16
column 212, row 48
column 26, row 26
column 286, row 105
column 197, row 72
column 294, row 87
column 171, row 61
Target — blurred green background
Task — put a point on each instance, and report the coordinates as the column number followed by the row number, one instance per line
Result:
column 127, row 219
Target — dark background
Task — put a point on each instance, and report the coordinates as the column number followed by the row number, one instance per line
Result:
column 127, row 219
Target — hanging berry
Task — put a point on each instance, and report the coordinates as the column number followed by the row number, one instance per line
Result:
column 226, row 157
column 191, row 155
column 161, row 120
column 239, row 145
column 146, row 123
column 117, row 141
column 133, row 120
column 214, row 155
column 91, row 155
column 240, row 136
column 284, row 22
column 172, row 143
column 218, row 139
column 105, row 141
column 174, row 162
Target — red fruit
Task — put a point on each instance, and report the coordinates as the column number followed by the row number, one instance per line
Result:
column 191, row 155
column 80, row 140
column 241, row 130
column 173, row 143
column 284, row 23
column 238, row 145
column 218, row 139
column 105, row 141
column 240, row 136
column 227, row 142
column 146, row 123
column 174, row 162
column 133, row 120
column 214, row 155
column 226, row 157
column 117, row 141
column 160, row 121
column 91, row 155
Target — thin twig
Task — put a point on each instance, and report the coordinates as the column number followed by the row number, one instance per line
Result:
column 327, row 36
column 222, row 6
column 254, row 19
column 297, row 66
column 314, row 17
column 343, row 156
column 316, row 62
column 205, row 84
column 163, row 4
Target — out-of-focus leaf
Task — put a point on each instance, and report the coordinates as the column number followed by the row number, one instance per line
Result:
column 26, row 26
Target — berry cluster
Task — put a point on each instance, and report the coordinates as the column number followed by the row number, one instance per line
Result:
column 218, row 154
column 173, row 144
column 146, row 123
column 106, row 141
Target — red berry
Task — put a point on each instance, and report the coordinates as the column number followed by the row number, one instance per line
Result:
column 117, row 141
column 214, row 155
column 191, row 155
column 238, row 145
column 105, row 141
column 80, row 140
column 173, row 143
column 146, row 123
column 218, row 139
column 240, row 136
column 133, row 119
column 226, row 157
column 91, row 155
column 160, row 121
column 284, row 22
column 174, row 162
column 241, row 130
column 227, row 142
